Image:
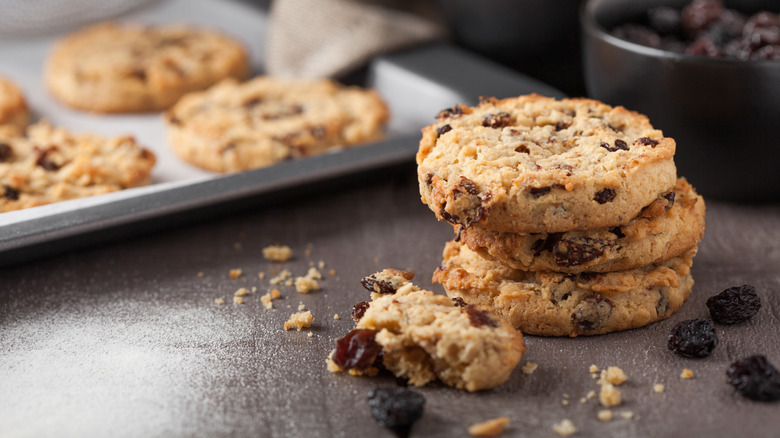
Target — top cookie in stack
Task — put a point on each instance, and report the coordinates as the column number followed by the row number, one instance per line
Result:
column 569, row 215
column 532, row 164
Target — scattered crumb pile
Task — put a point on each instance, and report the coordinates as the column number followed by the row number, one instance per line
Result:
column 299, row 321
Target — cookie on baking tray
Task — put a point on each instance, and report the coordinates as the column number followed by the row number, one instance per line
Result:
column 13, row 108
column 423, row 337
column 534, row 164
column 120, row 67
column 666, row 228
column 239, row 126
column 50, row 164
column 558, row 304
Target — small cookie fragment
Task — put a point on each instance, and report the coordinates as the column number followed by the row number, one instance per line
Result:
column 235, row 273
column 299, row 320
column 613, row 375
column 219, row 301
column 564, row 428
column 308, row 283
column 277, row 253
column 609, row 395
column 494, row 427
column 529, row 368
column 266, row 299
column 686, row 374
column 658, row 388
column 604, row 415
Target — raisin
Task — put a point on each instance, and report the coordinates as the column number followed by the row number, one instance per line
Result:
column 429, row 178
column 638, row 34
column 138, row 73
column 254, row 101
column 618, row 232
column 451, row 218
column 441, row 130
column 317, row 132
column 647, row 141
column 468, row 185
column 568, row 253
column 478, row 318
column 546, row 244
column 458, row 301
column 704, row 46
column 450, row 112
column 662, row 306
column 359, row 309
column 755, row 378
column 373, row 283
column 43, row 159
column 357, row 350
column 10, row 193
column 693, row 338
column 619, row 145
column 499, row 120
column 664, row 19
column 396, row 408
column 606, row 195
column 5, row 151
column 561, row 125
column 669, row 196
column 539, row 191
column 592, row 313
column 699, row 15
column 734, row 304
column 522, row 149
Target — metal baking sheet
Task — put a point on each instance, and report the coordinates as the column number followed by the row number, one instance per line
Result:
column 416, row 84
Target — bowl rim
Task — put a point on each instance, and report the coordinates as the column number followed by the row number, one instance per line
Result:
column 594, row 29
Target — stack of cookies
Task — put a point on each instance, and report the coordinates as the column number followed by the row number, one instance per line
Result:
column 569, row 215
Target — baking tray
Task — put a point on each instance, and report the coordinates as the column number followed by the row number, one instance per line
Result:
column 416, row 84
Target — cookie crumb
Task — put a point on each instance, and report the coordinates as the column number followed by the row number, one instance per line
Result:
column 280, row 279
column 277, row 253
column 336, row 317
column 299, row 321
column 200, row 275
column 593, row 369
column 321, row 264
column 308, row 283
column 311, row 334
column 583, row 400
column 494, row 427
column 591, row 394
column 529, row 368
column 261, row 275
column 658, row 388
column 604, row 415
column 565, row 402
column 301, row 307
column 241, row 292
column 332, row 272
column 266, row 300
column 613, row 375
column 627, row 415
column 376, row 260
column 307, row 251
column 238, row 300
column 686, row 374
column 275, row 294
column 235, row 273
column 564, row 428
column 609, row 395
column 219, row 300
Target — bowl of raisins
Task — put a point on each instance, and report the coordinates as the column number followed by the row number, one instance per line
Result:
column 707, row 73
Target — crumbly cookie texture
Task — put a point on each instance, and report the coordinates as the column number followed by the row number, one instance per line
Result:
column 50, row 164
column 533, row 164
column 558, row 304
column 13, row 108
column 423, row 337
column 113, row 67
column 233, row 127
column 666, row 228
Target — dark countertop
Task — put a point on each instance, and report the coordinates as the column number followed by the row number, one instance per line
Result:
column 126, row 340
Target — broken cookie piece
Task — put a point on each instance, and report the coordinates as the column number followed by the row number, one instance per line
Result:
column 423, row 337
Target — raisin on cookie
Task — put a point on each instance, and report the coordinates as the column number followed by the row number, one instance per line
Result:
column 666, row 228
column 50, row 164
column 233, row 127
column 113, row 67
column 558, row 304
column 534, row 164
column 13, row 108
column 423, row 337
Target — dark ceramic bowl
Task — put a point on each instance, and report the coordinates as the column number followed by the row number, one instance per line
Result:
column 723, row 113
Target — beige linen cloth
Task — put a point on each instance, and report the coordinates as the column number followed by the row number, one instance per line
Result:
column 328, row 38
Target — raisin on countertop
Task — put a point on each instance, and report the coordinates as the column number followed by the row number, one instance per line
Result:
column 693, row 338
column 755, row 378
column 396, row 408
column 734, row 304
column 357, row 350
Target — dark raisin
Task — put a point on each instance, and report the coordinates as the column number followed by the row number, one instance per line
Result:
column 43, row 159
column 662, row 306
column 468, row 185
column 561, row 125
column 734, row 304
column 617, row 231
column 693, row 338
column 664, row 19
column 669, row 196
column 6, row 151
column 441, row 130
column 592, row 313
column 546, row 244
column 605, row 195
column 458, row 301
column 173, row 120
column 522, row 149
column 373, row 283
column 357, row 350
column 568, row 253
column 539, row 191
column 698, row 15
column 499, row 120
column 587, row 276
column 704, row 46
column 396, row 408
column 451, row 218
column 359, row 309
column 10, row 193
column 429, row 178
column 647, row 141
column 450, row 112
column 459, row 234
column 253, row 102
column 638, row 34
column 317, row 132
column 619, row 145
column 755, row 378
column 478, row 318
